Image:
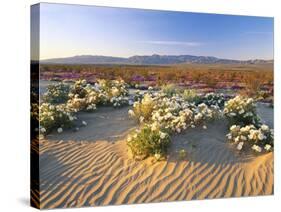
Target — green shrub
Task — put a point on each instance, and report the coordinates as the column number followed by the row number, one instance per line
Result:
column 170, row 89
column 56, row 93
column 142, row 110
column 250, row 137
column 241, row 111
column 191, row 95
column 54, row 117
column 214, row 99
column 148, row 142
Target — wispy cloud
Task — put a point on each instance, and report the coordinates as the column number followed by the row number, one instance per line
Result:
column 259, row 32
column 174, row 43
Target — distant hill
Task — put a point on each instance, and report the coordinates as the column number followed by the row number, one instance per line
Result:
column 154, row 59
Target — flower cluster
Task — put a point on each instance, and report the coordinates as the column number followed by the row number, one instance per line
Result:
column 241, row 111
column 54, row 117
column 173, row 113
column 214, row 99
column 206, row 113
column 86, row 97
column 112, row 88
column 80, row 96
column 119, row 101
column 258, row 139
column 148, row 141
column 57, row 93
column 143, row 109
column 169, row 114
column 246, row 131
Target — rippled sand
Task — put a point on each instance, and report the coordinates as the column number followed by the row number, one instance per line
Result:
column 92, row 167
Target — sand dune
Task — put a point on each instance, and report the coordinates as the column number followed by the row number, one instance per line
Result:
column 94, row 168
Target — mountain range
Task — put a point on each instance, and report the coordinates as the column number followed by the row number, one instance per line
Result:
column 154, row 59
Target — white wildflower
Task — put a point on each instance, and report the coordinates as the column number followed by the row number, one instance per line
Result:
column 141, row 119
column 131, row 113
column 256, row 148
column 129, row 139
column 241, row 111
column 43, row 130
column 240, row 145
column 157, row 156
column 162, row 135
column 232, row 127
column 264, row 127
column 267, row 147
column 261, row 136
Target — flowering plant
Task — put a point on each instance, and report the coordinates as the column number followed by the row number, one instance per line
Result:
column 172, row 114
column 242, row 111
column 258, row 139
column 112, row 88
column 56, row 93
column 54, row 116
column 205, row 113
column 143, row 109
column 119, row 101
column 169, row 89
column 191, row 95
column 148, row 141
column 214, row 99
column 85, row 97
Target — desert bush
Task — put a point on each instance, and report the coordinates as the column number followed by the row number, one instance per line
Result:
column 76, row 104
column 56, row 93
column 173, row 113
column 85, row 97
column 191, row 95
column 82, row 97
column 78, row 89
column 114, row 92
column 142, row 110
column 148, row 141
column 170, row 89
column 204, row 113
column 138, row 96
column 54, row 117
column 113, row 88
column 250, row 137
column 172, row 116
column 213, row 99
column 241, row 111
column 253, row 84
column 119, row 101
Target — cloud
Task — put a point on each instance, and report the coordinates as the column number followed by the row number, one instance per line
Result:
column 174, row 43
column 259, row 32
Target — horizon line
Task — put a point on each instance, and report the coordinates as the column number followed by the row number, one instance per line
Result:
column 141, row 55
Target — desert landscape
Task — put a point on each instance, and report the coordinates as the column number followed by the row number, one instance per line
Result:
column 90, row 162
column 134, row 106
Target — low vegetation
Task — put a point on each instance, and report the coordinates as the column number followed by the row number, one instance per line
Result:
column 174, row 99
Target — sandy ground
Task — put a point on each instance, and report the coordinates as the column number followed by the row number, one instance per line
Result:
column 91, row 167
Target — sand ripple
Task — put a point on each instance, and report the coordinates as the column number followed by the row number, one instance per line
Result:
column 92, row 167
column 75, row 174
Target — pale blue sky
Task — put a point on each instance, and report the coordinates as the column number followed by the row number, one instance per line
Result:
column 68, row 30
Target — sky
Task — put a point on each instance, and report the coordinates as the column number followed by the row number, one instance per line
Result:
column 69, row 30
